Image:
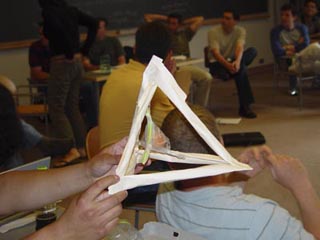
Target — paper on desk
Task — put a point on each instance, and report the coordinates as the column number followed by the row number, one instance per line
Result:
column 157, row 75
column 228, row 120
column 20, row 222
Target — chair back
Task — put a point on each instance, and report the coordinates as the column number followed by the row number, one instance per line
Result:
column 92, row 142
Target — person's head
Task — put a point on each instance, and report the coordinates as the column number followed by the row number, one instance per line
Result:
column 10, row 125
column 102, row 28
column 184, row 138
column 152, row 39
column 229, row 20
column 288, row 16
column 310, row 8
column 48, row 3
column 174, row 21
column 7, row 83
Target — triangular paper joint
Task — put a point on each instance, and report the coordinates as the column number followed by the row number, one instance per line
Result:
column 156, row 75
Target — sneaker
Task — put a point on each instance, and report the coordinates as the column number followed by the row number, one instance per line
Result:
column 246, row 112
column 293, row 92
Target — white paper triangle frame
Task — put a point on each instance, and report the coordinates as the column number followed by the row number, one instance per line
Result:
column 157, row 75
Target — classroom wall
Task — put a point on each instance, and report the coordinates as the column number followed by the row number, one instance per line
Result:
column 14, row 62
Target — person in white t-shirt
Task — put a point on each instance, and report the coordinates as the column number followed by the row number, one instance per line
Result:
column 228, row 58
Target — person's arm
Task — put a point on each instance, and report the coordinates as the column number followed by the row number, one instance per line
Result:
column 90, row 216
column 194, row 23
column 121, row 60
column 29, row 190
column 36, row 73
column 119, row 52
column 88, row 66
column 238, row 56
column 304, row 40
column 291, row 174
column 149, row 17
column 228, row 65
column 36, row 70
column 277, row 48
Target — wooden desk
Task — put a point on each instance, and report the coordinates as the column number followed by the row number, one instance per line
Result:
column 26, row 230
column 95, row 76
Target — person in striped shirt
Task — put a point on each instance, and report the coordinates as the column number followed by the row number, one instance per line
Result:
column 214, row 209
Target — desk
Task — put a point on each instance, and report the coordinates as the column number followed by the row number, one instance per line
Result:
column 189, row 61
column 96, row 76
column 26, row 230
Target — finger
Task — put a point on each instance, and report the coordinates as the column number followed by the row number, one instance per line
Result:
column 112, row 201
column 98, row 187
column 110, row 214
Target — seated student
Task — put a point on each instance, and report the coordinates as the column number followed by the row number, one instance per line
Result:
column 16, row 134
column 104, row 45
column 213, row 209
column 120, row 93
column 311, row 19
column 287, row 39
column 39, row 62
column 228, row 58
column 182, row 33
column 90, row 216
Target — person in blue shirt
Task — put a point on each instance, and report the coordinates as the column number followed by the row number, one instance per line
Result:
column 287, row 39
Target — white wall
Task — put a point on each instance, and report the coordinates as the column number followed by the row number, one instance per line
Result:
column 14, row 63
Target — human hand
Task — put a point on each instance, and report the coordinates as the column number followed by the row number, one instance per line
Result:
column 231, row 68
column 92, row 214
column 101, row 165
column 170, row 63
column 255, row 157
column 289, row 172
column 236, row 65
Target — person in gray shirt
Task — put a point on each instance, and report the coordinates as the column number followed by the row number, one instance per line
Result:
column 104, row 45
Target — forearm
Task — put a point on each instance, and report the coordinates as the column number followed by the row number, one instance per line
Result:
column 39, row 75
column 50, row 232
column 121, row 60
column 155, row 17
column 238, row 53
column 194, row 22
column 220, row 58
column 309, row 205
column 90, row 67
column 38, row 188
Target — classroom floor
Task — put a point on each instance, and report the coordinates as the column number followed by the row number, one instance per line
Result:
column 287, row 130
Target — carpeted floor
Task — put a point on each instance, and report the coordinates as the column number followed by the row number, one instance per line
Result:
column 287, row 129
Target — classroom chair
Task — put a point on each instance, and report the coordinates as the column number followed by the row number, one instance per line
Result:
column 281, row 70
column 29, row 108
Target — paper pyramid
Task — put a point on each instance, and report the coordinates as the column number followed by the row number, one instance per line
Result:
column 156, row 75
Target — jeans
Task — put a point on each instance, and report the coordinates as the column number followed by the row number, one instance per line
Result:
column 63, row 99
column 284, row 64
column 245, row 94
